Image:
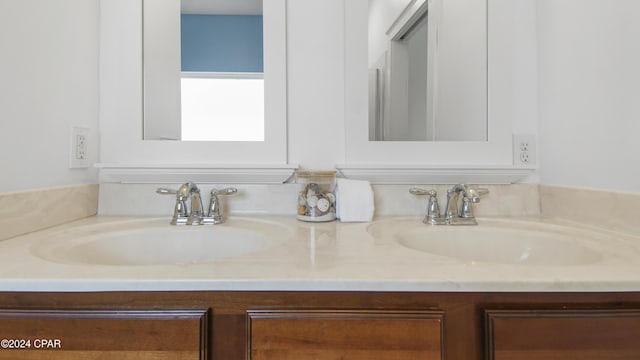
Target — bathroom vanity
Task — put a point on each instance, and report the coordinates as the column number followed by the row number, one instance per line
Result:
column 325, row 325
column 271, row 287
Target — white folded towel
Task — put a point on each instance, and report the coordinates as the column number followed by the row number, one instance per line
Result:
column 354, row 200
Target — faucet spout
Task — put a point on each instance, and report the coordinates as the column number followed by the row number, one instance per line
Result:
column 191, row 191
column 453, row 195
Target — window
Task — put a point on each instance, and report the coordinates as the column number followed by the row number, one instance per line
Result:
column 222, row 107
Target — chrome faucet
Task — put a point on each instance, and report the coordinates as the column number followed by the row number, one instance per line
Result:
column 194, row 215
column 453, row 213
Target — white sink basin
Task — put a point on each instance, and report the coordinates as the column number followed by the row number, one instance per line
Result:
column 155, row 242
column 498, row 242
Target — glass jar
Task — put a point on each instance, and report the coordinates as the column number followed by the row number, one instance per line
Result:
column 316, row 195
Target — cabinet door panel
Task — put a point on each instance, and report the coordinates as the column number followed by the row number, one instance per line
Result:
column 563, row 334
column 104, row 335
column 353, row 335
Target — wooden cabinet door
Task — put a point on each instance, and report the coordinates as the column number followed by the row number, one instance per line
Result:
column 353, row 335
column 103, row 335
column 563, row 334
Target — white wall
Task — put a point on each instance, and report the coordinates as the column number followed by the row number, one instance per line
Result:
column 589, row 115
column 315, row 47
column 49, row 72
column 589, row 93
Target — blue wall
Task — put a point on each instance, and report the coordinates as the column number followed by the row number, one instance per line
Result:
column 222, row 43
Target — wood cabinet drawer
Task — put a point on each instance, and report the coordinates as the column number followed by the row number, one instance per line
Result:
column 353, row 335
column 103, row 334
column 562, row 334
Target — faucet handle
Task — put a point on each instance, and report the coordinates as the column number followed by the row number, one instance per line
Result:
column 433, row 208
column 421, row 191
column 214, row 215
column 466, row 211
column 166, row 191
column 474, row 194
column 225, row 191
column 180, row 214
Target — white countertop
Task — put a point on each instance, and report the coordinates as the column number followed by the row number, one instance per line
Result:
column 325, row 257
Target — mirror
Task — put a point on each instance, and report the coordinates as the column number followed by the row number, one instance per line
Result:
column 203, row 70
column 427, row 63
column 126, row 157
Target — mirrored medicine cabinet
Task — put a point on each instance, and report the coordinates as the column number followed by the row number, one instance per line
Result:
column 128, row 80
column 421, row 86
column 128, row 157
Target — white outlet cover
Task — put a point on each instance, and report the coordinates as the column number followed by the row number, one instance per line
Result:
column 526, row 158
column 79, row 149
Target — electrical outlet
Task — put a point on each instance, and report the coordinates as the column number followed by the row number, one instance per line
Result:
column 78, row 153
column 524, row 149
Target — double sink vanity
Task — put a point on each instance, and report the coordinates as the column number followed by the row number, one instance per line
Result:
column 420, row 281
column 249, row 251
column 272, row 287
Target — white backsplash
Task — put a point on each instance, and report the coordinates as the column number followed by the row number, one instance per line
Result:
column 617, row 211
column 27, row 211
column 141, row 199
